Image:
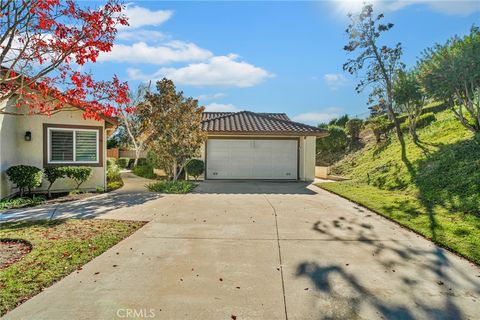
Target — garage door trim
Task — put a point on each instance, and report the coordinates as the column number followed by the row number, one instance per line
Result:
column 253, row 138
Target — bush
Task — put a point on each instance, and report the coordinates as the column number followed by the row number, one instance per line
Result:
column 111, row 161
column 171, row 186
column 195, row 168
column 335, row 141
column 422, row 121
column 113, row 173
column 144, row 171
column 379, row 125
column 123, row 162
column 354, row 126
column 78, row 174
column 52, row 174
column 142, row 161
column 21, row 202
column 25, row 177
column 112, row 185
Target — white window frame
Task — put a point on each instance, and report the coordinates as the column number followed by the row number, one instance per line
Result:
column 73, row 130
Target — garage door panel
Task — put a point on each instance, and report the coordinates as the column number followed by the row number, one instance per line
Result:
column 251, row 159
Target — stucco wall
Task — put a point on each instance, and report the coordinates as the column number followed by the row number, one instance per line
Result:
column 307, row 151
column 15, row 150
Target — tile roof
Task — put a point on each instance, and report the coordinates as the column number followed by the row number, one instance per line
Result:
column 247, row 122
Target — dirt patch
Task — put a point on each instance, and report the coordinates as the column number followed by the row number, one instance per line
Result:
column 11, row 251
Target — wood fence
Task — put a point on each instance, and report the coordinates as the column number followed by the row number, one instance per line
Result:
column 117, row 153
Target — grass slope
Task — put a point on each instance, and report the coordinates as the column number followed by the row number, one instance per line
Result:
column 58, row 248
column 436, row 192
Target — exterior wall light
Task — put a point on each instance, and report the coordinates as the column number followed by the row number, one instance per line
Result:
column 28, row 136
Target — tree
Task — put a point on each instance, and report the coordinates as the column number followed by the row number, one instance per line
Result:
column 379, row 125
column 341, row 121
column 451, row 73
column 130, row 128
column 353, row 127
column 172, row 125
column 380, row 62
column 42, row 43
column 409, row 98
column 52, row 174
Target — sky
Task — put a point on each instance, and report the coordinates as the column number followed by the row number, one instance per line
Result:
column 268, row 56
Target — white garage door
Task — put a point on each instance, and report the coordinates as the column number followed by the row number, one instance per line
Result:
column 251, row 159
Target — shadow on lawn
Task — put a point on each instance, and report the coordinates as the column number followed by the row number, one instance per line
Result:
column 404, row 280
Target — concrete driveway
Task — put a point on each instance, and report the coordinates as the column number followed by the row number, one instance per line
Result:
column 263, row 250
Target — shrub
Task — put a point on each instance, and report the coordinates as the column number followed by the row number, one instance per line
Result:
column 335, row 141
column 144, row 171
column 52, row 174
column 112, row 185
column 25, row 177
column 354, row 126
column 113, row 174
column 21, row 202
column 78, row 174
column 422, row 121
column 142, row 161
column 178, row 186
column 111, row 161
column 195, row 167
column 123, row 162
column 379, row 125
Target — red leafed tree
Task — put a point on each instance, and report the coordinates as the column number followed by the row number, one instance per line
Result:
column 44, row 44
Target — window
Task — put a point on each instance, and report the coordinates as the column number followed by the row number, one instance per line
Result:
column 73, row 145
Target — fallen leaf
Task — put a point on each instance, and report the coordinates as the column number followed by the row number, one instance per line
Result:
column 221, row 279
column 234, row 317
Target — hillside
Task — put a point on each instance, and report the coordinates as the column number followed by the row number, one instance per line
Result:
column 436, row 192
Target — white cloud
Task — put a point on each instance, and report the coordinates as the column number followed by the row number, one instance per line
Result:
column 139, row 17
column 334, row 80
column 224, row 71
column 220, row 107
column 141, row 35
column 315, row 118
column 141, row 52
column 212, row 96
column 454, row 7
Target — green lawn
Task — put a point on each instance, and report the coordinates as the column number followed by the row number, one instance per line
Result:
column 455, row 230
column 58, row 248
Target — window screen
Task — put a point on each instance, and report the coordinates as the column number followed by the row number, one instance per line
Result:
column 86, row 146
column 61, row 145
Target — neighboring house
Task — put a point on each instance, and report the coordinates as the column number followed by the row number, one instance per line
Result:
column 248, row 145
column 62, row 139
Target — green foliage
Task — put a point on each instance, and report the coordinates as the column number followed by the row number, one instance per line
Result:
column 51, row 174
column 78, row 174
column 422, row 121
column 113, row 185
column 195, row 168
column 25, row 177
column 144, row 171
column 173, row 186
column 123, row 162
column 379, row 125
column 450, row 73
column 353, row 127
column 111, row 161
column 442, row 170
column 21, row 202
column 332, row 147
column 173, row 122
column 340, row 122
column 142, row 161
column 113, row 173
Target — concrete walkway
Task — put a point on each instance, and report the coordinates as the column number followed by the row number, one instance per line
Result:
column 132, row 196
column 262, row 250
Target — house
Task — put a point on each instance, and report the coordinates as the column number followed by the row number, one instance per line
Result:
column 61, row 139
column 249, row 145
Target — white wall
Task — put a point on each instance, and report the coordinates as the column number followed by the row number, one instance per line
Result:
column 15, row 150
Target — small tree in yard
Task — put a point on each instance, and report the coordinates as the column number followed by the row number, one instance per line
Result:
column 78, row 174
column 409, row 99
column 381, row 63
column 52, row 174
column 195, row 168
column 172, row 124
column 451, row 73
column 25, row 177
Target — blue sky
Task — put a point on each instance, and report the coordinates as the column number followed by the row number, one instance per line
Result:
column 268, row 56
